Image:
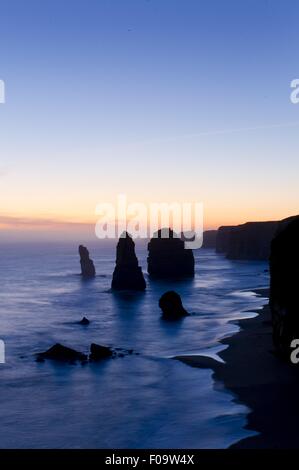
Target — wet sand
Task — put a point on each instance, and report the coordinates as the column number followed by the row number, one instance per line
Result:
column 268, row 386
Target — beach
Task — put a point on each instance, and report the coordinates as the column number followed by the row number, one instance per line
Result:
column 268, row 386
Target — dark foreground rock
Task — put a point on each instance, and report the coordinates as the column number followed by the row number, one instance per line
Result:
column 171, row 305
column 84, row 321
column 98, row 352
column 127, row 274
column 168, row 258
column 58, row 352
column 61, row 353
column 284, row 293
column 87, row 266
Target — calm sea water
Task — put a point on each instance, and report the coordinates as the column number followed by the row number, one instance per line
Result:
column 141, row 401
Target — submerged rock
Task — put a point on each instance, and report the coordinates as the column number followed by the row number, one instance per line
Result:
column 167, row 256
column 87, row 266
column 98, row 352
column 171, row 305
column 58, row 352
column 84, row 321
column 284, row 278
column 127, row 274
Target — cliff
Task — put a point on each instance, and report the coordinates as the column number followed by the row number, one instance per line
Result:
column 251, row 241
column 222, row 238
column 209, row 238
column 284, row 277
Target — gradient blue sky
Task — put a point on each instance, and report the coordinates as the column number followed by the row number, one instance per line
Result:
column 164, row 100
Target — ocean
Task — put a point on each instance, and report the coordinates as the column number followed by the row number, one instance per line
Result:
column 144, row 400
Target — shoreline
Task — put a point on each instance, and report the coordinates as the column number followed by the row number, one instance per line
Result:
column 268, row 386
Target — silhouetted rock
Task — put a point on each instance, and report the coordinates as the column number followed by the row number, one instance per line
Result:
column 222, row 238
column 58, row 352
column 168, row 258
column 251, row 241
column 84, row 321
column 98, row 352
column 127, row 274
column 87, row 266
column 209, row 238
column 284, row 275
column 171, row 305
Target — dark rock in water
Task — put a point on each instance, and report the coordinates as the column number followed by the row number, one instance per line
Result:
column 171, row 305
column 251, row 241
column 127, row 274
column 58, row 352
column 168, row 258
column 209, row 238
column 84, row 321
column 222, row 238
column 284, row 282
column 98, row 352
column 87, row 266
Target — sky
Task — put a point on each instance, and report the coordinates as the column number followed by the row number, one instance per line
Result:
column 161, row 100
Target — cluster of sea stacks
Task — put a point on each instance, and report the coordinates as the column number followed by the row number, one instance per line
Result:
column 276, row 241
column 167, row 259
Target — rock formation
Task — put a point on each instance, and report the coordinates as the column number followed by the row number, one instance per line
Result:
column 222, row 238
column 284, row 282
column 127, row 274
column 171, row 305
column 87, row 266
column 209, row 238
column 249, row 241
column 58, row 352
column 168, row 258
column 98, row 352
column 84, row 321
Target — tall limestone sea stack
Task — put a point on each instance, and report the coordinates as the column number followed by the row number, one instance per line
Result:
column 127, row 274
column 87, row 266
column 168, row 258
column 284, row 282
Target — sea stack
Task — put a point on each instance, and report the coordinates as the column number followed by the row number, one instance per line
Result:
column 284, row 277
column 168, row 258
column 127, row 274
column 171, row 305
column 87, row 266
